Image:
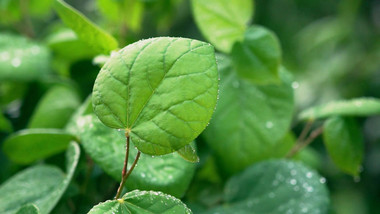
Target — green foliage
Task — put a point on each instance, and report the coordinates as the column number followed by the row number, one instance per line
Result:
column 55, row 108
column 29, row 209
column 275, row 187
column 189, row 153
column 223, row 22
column 29, row 145
column 87, row 31
column 258, row 57
column 42, row 185
column 22, row 59
column 354, row 107
column 5, row 125
column 250, row 119
column 344, row 142
column 131, row 87
column 169, row 173
column 143, row 202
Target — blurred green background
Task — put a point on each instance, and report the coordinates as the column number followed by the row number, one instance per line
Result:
column 331, row 47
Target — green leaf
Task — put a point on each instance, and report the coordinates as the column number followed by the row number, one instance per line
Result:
column 29, row 209
column 222, row 22
column 258, row 57
column 309, row 157
column 87, row 31
column 5, row 125
column 55, row 108
column 161, row 90
column 250, row 120
column 41, row 185
column 29, row 145
column 344, row 143
column 66, row 44
column 276, row 186
column 354, row 107
column 169, row 173
column 21, row 59
column 189, row 153
column 142, row 202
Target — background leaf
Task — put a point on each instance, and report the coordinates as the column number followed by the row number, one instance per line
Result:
column 87, row 31
column 189, row 153
column 222, row 22
column 168, row 173
column 55, row 108
column 258, row 57
column 344, row 143
column 5, row 125
column 143, row 202
column 41, row 185
column 29, row 209
column 276, row 186
column 29, row 145
column 22, row 59
column 249, row 121
column 353, row 107
column 131, row 86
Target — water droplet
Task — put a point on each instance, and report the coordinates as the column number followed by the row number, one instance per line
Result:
column 4, row 56
column 309, row 189
column 293, row 172
column 322, row 180
column 293, row 181
column 309, row 174
column 16, row 62
column 295, row 85
column 143, row 175
column 269, row 124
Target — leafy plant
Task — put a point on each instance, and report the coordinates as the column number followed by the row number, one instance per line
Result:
column 184, row 126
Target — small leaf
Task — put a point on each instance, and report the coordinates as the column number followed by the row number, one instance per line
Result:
column 258, row 57
column 29, row 209
column 21, row 59
column 87, row 31
column 354, row 107
column 250, row 120
column 55, row 108
column 168, row 173
column 344, row 143
column 275, row 186
column 189, row 153
column 29, row 145
column 66, row 44
column 142, row 202
column 161, row 90
column 41, row 185
column 222, row 22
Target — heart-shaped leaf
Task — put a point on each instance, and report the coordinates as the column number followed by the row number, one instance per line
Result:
column 168, row 173
column 344, row 143
column 162, row 91
column 222, row 22
column 258, row 57
column 41, row 185
column 29, row 145
column 250, row 120
column 275, row 186
column 21, row 59
column 55, row 108
column 142, row 202
column 353, row 107
column 87, row 31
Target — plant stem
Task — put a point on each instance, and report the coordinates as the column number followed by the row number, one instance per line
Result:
column 300, row 145
column 125, row 174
